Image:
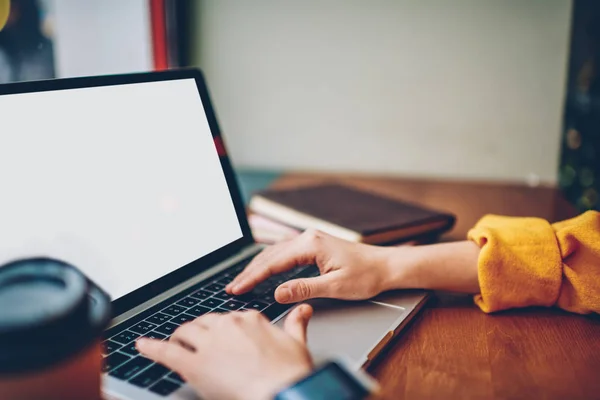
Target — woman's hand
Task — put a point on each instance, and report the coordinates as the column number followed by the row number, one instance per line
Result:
column 237, row 355
column 354, row 271
column 350, row 271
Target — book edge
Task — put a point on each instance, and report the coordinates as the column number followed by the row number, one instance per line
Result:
column 436, row 215
column 297, row 219
column 406, row 233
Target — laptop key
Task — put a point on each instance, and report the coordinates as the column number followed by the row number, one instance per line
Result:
column 159, row 318
column 268, row 298
column 309, row 271
column 275, row 310
column 174, row 310
column 279, row 281
column 223, row 295
column 313, row 271
column 240, row 267
column 130, row 349
column 220, row 311
column 291, row 273
column 131, row 368
column 176, row 377
column 143, row 327
column 113, row 361
column 256, row 305
column 263, row 287
column 225, row 280
column 167, row 328
column 232, row 305
column 150, row 376
column 198, row 311
column 234, row 271
column 212, row 303
column 201, row 294
column 125, row 337
column 108, row 346
column 245, row 298
column 182, row 318
column 165, row 387
column 215, row 287
column 188, row 302
column 155, row 335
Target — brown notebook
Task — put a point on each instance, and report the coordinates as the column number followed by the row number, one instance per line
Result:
column 350, row 213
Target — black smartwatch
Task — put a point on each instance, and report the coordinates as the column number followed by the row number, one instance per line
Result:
column 333, row 380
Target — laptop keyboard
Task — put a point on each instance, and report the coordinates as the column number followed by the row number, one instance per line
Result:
column 121, row 358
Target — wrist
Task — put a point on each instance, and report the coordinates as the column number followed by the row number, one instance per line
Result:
column 335, row 380
column 283, row 379
column 403, row 268
column 445, row 266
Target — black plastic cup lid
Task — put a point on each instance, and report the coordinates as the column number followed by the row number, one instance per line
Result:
column 49, row 311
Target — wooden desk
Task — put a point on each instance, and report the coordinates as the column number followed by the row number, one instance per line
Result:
column 452, row 350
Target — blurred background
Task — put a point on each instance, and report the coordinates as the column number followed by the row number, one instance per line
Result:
column 482, row 90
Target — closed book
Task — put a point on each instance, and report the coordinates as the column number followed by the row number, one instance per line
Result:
column 350, row 213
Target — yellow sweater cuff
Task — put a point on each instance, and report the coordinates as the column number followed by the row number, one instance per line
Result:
column 519, row 264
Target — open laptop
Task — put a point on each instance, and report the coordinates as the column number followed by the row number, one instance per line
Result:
column 126, row 177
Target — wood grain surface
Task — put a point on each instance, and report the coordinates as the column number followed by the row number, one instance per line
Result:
column 452, row 350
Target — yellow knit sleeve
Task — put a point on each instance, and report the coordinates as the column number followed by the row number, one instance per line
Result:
column 527, row 261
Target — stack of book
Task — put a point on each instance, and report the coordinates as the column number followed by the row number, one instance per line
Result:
column 345, row 212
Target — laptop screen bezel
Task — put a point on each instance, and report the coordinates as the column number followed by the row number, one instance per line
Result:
column 184, row 272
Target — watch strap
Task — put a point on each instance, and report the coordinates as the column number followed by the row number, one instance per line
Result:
column 333, row 380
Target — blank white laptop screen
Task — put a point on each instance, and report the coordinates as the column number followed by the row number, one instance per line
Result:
column 124, row 182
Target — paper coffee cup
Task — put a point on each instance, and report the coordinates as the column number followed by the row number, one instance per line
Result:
column 51, row 324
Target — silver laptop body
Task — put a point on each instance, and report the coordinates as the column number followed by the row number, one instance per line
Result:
column 88, row 139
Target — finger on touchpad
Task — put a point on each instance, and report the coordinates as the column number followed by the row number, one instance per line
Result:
column 350, row 329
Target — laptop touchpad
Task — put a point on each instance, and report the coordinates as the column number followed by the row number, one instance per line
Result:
column 347, row 328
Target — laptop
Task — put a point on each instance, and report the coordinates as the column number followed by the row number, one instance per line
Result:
column 127, row 178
